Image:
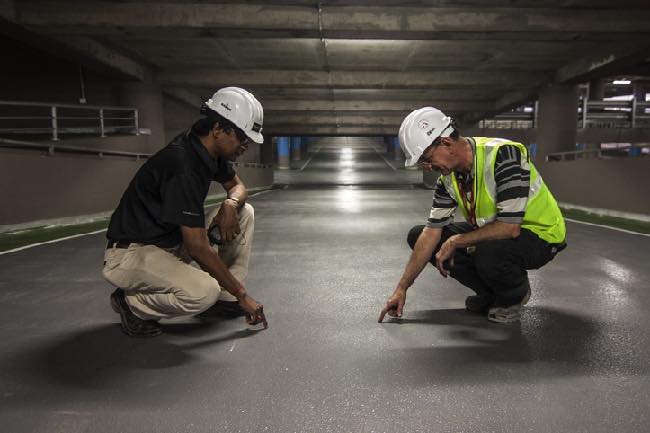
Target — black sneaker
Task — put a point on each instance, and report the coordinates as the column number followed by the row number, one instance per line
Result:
column 478, row 304
column 225, row 310
column 132, row 325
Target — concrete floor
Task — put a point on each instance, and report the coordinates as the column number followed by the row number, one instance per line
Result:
column 324, row 261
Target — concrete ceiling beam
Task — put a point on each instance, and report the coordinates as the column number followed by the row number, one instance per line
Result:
column 364, row 105
column 342, row 131
column 480, row 19
column 88, row 51
column 417, row 96
column 358, row 22
column 8, row 10
column 138, row 15
column 349, row 79
column 185, row 96
column 108, row 56
column 611, row 60
column 334, row 119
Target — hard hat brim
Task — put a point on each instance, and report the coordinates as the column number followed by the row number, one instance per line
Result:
column 257, row 137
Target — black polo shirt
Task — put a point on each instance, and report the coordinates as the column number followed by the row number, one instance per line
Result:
column 168, row 192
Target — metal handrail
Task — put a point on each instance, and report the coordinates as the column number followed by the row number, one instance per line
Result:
column 56, row 104
column 51, row 149
column 251, row 165
column 55, row 118
column 588, row 111
column 597, row 153
column 559, row 156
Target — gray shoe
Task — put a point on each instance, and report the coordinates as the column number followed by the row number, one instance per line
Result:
column 509, row 314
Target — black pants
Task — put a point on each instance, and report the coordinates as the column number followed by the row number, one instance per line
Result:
column 495, row 269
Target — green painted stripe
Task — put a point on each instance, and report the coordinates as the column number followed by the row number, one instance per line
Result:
column 20, row 238
column 36, row 235
column 621, row 223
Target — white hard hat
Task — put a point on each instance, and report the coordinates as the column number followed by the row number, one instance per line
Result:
column 258, row 112
column 238, row 108
column 419, row 129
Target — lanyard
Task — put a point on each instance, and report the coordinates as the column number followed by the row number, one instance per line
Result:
column 469, row 205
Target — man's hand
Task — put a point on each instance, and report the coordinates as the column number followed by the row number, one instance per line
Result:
column 446, row 253
column 254, row 311
column 395, row 305
column 227, row 221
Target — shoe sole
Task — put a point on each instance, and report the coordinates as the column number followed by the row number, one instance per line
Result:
column 510, row 318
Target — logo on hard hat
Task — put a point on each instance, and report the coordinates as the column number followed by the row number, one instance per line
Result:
column 224, row 105
column 424, row 124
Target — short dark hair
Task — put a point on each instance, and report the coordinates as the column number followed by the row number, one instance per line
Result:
column 202, row 127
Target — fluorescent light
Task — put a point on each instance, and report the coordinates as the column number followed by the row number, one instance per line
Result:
column 619, row 98
column 622, row 82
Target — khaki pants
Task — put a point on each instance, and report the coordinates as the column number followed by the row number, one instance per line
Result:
column 161, row 283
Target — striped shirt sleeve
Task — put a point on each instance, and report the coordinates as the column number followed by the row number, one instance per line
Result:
column 442, row 210
column 512, row 177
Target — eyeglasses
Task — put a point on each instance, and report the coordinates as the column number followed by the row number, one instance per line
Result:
column 242, row 137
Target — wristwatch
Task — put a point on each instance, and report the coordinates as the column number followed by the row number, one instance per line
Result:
column 235, row 199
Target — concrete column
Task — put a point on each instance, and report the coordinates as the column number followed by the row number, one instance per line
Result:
column 253, row 154
column 596, row 90
column 284, row 162
column 397, row 149
column 147, row 97
column 390, row 147
column 295, row 149
column 429, row 178
column 557, row 119
column 8, row 10
column 639, row 92
column 266, row 151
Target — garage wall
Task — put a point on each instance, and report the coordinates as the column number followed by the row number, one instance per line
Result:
column 37, row 187
column 619, row 184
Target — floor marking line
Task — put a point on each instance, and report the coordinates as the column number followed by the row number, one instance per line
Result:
column 309, row 160
column 384, row 158
column 607, row 227
column 53, row 241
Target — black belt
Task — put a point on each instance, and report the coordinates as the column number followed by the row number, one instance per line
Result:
column 556, row 248
column 117, row 244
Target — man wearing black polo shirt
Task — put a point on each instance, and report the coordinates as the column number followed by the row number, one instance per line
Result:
column 160, row 225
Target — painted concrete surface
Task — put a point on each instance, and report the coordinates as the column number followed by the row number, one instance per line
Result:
column 324, row 261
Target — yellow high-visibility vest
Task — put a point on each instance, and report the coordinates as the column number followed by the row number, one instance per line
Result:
column 542, row 217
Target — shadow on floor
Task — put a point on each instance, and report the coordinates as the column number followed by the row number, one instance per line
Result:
column 548, row 343
column 100, row 361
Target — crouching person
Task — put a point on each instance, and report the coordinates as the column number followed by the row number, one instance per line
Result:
column 513, row 221
column 160, row 225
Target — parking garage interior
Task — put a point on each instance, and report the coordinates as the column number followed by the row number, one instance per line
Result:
column 91, row 89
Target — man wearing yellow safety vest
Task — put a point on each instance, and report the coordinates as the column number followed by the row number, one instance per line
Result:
column 513, row 223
